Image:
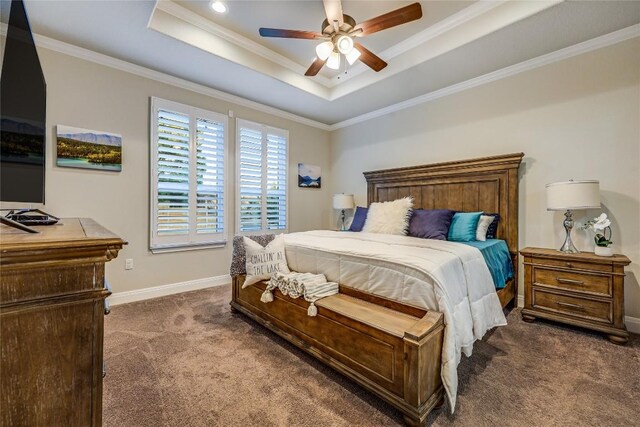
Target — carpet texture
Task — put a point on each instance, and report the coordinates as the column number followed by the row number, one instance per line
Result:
column 186, row 360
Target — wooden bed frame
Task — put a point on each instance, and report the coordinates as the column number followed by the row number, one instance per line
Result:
column 389, row 348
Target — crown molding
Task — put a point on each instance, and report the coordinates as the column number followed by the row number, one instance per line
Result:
column 475, row 21
column 468, row 13
column 483, row 19
column 559, row 55
column 218, row 30
column 197, row 37
column 540, row 61
column 118, row 64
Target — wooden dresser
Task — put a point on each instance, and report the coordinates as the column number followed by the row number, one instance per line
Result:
column 52, row 302
column 580, row 289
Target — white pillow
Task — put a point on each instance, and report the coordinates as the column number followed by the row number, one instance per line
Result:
column 262, row 262
column 483, row 225
column 389, row 217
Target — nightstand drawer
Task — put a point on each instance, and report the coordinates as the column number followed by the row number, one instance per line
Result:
column 572, row 305
column 578, row 265
column 575, row 282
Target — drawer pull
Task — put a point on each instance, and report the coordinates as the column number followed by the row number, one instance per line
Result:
column 569, row 265
column 569, row 281
column 566, row 304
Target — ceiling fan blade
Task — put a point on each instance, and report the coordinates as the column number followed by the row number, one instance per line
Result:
column 370, row 58
column 391, row 19
column 289, row 34
column 333, row 9
column 315, row 67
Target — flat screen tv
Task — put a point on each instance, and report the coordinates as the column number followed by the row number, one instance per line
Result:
column 22, row 114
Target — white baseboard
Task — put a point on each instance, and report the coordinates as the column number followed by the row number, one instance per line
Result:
column 170, row 289
column 633, row 323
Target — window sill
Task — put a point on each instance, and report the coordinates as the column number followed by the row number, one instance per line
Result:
column 261, row 232
column 189, row 247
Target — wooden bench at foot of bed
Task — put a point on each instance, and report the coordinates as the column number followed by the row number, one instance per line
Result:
column 392, row 350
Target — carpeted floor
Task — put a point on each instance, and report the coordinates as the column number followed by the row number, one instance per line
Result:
column 185, row 360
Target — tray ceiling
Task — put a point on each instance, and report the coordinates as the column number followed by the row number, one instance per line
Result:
column 453, row 43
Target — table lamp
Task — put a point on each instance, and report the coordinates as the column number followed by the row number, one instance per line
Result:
column 343, row 202
column 570, row 196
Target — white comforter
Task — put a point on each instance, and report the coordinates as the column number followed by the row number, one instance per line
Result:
column 449, row 277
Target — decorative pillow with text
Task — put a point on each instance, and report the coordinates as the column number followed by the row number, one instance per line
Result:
column 262, row 262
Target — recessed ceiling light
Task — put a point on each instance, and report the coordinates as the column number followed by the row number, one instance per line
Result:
column 218, row 6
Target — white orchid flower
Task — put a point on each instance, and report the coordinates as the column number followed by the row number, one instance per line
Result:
column 601, row 222
column 602, row 217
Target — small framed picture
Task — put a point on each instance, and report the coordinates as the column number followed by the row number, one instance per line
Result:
column 309, row 176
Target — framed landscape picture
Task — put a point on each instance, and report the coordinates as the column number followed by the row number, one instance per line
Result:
column 88, row 149
column 309, row 176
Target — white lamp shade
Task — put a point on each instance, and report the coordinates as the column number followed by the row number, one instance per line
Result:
column 573, row 195
column 345, row 44
column 352, row 56
column 333, row 61
column 343, row 201
column 323, row 50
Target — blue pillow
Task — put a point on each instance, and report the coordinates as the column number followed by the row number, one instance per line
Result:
column 430, row 223
column 492, row 231
column 359, row 217
column 463, row 226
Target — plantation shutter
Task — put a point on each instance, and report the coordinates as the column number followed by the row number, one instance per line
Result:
column 188, row 176
column 262, row 178
column 210, row 176
column 276, row 181
column 250, row 182
column 173, row 174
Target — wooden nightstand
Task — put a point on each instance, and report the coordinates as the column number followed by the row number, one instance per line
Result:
column 580, row 289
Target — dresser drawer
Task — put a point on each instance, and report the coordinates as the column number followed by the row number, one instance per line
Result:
column 572, row 305
column 596, row 284
column 578, row 265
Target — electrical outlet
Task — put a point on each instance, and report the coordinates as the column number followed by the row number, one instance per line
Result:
column 128, row 264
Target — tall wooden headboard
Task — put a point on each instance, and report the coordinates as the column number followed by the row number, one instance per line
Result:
column 488, row 184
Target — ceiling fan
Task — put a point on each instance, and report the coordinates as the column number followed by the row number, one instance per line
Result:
column 338, row 34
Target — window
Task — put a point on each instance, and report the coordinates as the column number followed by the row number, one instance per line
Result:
column 262, row 178
column 188, row 163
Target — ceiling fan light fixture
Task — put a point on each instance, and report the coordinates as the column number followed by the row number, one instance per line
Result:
column 352, row 56
column 218, row 6
column 324, row 49
column 345, row 44
column 333, row 61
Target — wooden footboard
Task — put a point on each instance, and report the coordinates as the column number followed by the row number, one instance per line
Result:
column 391, row 352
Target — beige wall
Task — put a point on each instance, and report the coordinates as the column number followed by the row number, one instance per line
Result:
column 578, row 118
column 88, row 95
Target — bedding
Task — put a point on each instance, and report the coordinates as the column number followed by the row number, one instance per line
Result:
column 239, row 257
column 492, row 231
column 311, row 287
column 496, row 254
column 430, row 223
column 483, row 226
column 389, row 217
column 449, row 277
column 263, row 261
column 463, row 226
column 359, row 218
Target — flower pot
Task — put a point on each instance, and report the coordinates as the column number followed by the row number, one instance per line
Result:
column 603, row 251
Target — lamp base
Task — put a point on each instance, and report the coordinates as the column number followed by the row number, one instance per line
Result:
column 568, row 247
